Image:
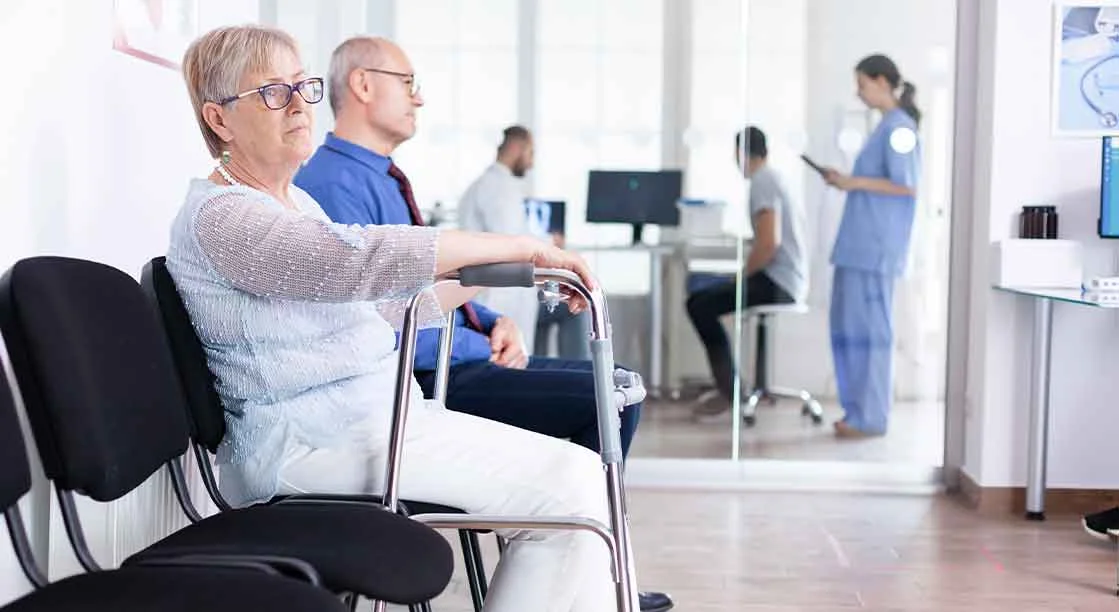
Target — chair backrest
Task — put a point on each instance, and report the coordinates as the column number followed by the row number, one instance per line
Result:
column 206, row 413
column 15, row 471
column 95, row 374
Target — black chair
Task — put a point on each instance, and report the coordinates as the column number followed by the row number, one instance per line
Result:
column 207, row 418
column 174, row 584
column 107, row 410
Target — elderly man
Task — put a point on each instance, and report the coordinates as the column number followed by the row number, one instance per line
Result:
column 495, row 202
column 374, row 95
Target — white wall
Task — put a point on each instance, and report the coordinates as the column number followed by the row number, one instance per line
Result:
column 1019, row 162
column 98, row 147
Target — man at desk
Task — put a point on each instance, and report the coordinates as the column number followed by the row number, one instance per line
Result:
column 495, row 202
column 776, row 271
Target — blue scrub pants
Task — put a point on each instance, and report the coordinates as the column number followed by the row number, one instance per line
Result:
column 862, row 339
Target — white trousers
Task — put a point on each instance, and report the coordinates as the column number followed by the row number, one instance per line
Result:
column 485, row 467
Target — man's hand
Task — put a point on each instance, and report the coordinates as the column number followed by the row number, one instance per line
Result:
column 507, row 348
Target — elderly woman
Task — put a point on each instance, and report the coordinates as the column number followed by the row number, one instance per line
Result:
column 294, row 314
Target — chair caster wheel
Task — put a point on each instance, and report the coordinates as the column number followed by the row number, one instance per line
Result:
column 813, row 409
column 750, row 420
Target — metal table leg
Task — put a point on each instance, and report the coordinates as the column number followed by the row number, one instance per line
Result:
column 1039, row 409
column 656, row 323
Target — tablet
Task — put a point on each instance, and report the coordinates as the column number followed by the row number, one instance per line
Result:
column 817, row 167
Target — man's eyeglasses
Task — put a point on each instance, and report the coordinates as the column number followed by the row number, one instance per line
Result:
column 277, row 96
column 409, row 79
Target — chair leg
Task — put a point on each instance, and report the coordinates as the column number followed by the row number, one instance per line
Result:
column 479, row 563
column 350, row 600
column 424, row 607
column 475, row 571
column 760, row 353
column 500, row 545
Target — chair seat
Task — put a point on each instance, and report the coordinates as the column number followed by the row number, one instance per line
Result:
column 177, row 590
column 772, row 309
column 355, row 548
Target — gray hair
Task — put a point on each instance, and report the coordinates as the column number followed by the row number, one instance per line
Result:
column 215, row 63
column 357, row 52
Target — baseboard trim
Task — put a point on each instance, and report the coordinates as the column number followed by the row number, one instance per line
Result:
column 1002, row 501
column 782, row 475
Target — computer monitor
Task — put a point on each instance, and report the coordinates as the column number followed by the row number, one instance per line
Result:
column 1109, row 189
column 634, row 197
column 546, row 217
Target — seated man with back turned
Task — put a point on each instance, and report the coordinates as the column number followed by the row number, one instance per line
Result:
column 775, row 269
column 374, row 96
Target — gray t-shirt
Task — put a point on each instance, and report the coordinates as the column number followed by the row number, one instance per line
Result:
column 788, row 267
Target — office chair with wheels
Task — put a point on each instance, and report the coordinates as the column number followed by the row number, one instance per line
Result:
column 762, row 313
column 107, row 409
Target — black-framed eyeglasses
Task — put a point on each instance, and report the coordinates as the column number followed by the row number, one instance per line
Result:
column 277, row 96
column 409, row 79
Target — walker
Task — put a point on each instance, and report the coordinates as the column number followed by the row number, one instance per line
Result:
column 614, row 389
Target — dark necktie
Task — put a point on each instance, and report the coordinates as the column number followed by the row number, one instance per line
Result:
column 417, row 219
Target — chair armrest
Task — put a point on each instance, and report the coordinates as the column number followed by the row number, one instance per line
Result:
column 269, row 564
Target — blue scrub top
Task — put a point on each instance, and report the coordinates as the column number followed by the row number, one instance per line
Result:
column 875, row 231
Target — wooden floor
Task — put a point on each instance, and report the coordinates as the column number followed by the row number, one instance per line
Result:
column 667, row 431
column 786, row 552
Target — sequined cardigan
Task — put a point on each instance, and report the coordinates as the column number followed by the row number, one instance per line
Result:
column 296, row 315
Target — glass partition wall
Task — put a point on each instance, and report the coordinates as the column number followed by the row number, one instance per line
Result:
column 639, row 86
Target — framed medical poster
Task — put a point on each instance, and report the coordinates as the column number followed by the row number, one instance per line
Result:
column 157, row 31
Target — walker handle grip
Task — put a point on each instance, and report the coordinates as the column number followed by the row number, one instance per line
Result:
column 498, row 275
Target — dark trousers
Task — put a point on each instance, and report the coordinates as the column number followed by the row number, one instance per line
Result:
column 554, row 397
column 707, row 305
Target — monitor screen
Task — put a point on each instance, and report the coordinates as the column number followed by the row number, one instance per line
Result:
column 635, row 197
column 546, row 217
column 1109, row 189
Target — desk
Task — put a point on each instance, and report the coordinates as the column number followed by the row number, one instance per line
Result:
column 1039, row 384
column 726, row 249
column 656, row 303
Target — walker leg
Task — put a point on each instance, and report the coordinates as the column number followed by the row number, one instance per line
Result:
column 609, row 425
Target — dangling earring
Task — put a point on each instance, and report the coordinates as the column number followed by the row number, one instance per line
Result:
column 226, row 157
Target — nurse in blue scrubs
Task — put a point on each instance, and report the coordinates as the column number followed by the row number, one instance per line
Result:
column 872, row 247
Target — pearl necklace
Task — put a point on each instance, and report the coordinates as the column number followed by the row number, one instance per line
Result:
column 226, row 175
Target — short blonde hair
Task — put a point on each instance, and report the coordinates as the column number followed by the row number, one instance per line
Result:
column 215, row 63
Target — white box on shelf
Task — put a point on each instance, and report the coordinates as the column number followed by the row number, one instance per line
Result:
column 1045, row 264
column 701, row 218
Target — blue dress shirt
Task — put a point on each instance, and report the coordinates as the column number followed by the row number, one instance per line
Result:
column 353, row 186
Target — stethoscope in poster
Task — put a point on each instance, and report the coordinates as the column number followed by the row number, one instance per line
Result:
column 1086, row 69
